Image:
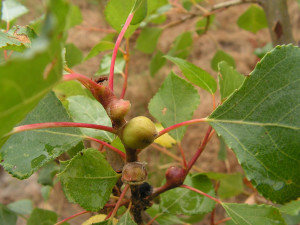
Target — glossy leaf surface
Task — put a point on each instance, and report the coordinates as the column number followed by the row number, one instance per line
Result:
column 88, row 179
column 25, row 152
column 166, row 105
column 195, row 74
column 244, row 214
column 187, row 202
column 148, row 38
column 229, row 79
column 261, row 123
column 86, row 110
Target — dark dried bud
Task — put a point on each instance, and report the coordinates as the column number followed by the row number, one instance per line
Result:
column 134, row 173
column 175, row 176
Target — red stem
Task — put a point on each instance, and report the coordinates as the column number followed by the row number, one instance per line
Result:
column 182, row 155
column 222, row 221
column 185, row 123
column 115, row 51
column 71, row 217
column 83, row 79
column 201, row 193
column 60, row 124
column 126, row 70
column 200, row 149
column 118, row 202
column 122, row 154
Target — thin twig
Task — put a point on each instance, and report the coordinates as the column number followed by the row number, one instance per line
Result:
column 127, row 59
column 201, row 193
column 71, row 217
column 119, row 202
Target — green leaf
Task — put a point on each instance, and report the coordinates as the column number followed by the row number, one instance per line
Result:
column 195, row 74
column 147, row 40
column 105, row 65
column 166, row 105
column 253, row 19
column 12, row 9
column 85, row 110
column 157, row 62
column 126, row 220
column 89, row 179
column 230, row 184
column 75, row 17
column 100, row 47
column 187, row 202
column 71, row 88
column 0, row 11
column 117, row 143
column 291, row 208
column 36, row 68
column 73, row 55
column 222, row 154
column 244, row 214
column 17, row 39
column 204, row 24
column 153, row 5
column 260, row 52
column 219, row 57
column 140, row 11
column 25, row 152
column 261, row 123
column 42, row 217
column 7, row 217
column 182, row 46
column 116, row 13
column 47, row 173
column 229, row 79
column 163, row 217
column 45, row 191
column 21, row 207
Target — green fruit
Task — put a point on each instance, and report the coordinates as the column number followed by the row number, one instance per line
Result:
column 138, row 133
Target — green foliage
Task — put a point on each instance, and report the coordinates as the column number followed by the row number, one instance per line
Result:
column 12, row 9
column 195, row 74
column 157, row 62
column 175, row 200
column 229, row 79
column 126, row 220
column 88, row 179
column 43, row 74
column 25, row 152
column 86, row 110
column 253, row 19
column 21, row 207
column 75, row 17
column 47, row 173
column 105, row 65
column 73, row 55
column 230, row 184
column 260, row 52
column 182, row 46
column 116, row 13
column 140, row 11
column 42, row 217
column 147, row 40
column 203, row 24
column 256, row 119
column 291, row 208
column 166, row 105
column 243, row 214
column 219, row 57
column 163, row 218
column 7, row 217
column 17, row 39
column 100, row 47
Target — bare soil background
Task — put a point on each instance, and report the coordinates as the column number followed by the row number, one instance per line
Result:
column 224, row 34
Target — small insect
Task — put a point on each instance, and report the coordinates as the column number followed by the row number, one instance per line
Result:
column 101, row 79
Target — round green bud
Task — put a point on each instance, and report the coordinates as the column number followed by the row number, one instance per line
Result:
column 138, row 133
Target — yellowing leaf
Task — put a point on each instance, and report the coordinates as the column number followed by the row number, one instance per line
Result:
column 98, row 218
column 165, row 140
